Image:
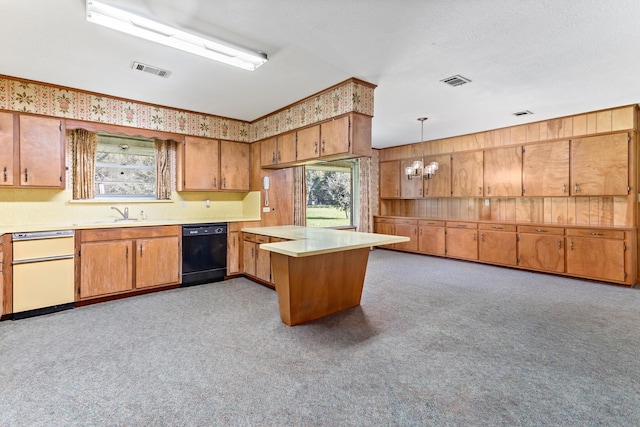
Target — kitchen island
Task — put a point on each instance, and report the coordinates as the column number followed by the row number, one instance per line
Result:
column 318, row 271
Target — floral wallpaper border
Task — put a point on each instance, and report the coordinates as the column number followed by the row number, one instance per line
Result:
column 40, row 98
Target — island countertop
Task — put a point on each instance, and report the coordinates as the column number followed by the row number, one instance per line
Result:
column 307, row 241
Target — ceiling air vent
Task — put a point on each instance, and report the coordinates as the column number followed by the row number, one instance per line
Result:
column 522, row 113
column 456, row 80
column 150, row 69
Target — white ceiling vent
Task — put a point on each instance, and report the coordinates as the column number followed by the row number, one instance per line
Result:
column 456, row 80
column 522, row 113
column 150, row 69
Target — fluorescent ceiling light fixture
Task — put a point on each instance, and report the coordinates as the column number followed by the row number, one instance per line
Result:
column 126, row 22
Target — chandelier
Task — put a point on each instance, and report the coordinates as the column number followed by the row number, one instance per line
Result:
column 417, row 168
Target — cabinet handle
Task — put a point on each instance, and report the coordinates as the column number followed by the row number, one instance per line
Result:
column 273, row 158
column 576, row 189
column 323, row 145
column 420, row 192
column 279, row 158
column 431, row 223
column 488, row 189
column 480, row 191
column 540, row 230
column 421, row 231
column 5, row 174
column 571, row 244
column 397, row 192
column 26, row 175
column 474, row 237
column 461, row 225
column 497, row 227
column 315, row 147
column 426, row 191
column 595, row 233
column 126, row 252
column 415, row 232
column 482, row 237
column 564, row 188
column 559, row 244
column 215, row 184
column 140, row 251
column 224, row 182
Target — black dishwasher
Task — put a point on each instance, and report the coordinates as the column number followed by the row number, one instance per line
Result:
column 204, row 253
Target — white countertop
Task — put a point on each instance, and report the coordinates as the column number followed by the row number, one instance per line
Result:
column 306, row 241
column 77, row 225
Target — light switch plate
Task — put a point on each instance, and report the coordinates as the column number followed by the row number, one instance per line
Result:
column 265, row 209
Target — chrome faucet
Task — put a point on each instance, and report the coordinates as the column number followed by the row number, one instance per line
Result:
column 125, row 215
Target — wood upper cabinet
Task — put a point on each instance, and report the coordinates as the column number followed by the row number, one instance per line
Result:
column 503, row 172
column 462, row 240
column 234, row 165
column 334, row 137
column 151, row 272
column 497, row 244
column 278, row 150
column 390, row 180
column 407, row 228
column 600, row 165
column 440, row 184
column 431, row 237
column 545, row 169
column 200, row 164
column 7, row 150
column 106, row 267
column 409, row 188
column 597, row 257
column 541, row 248
column 41, row 152
column 308, row 145
column 466, row 174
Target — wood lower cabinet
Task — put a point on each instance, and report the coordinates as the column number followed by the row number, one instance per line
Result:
column 407, row 228
column 431, row 237
column 497, row 244
column 385, row 226
column 462, row 240
column 233, row 252
column 120, row 260
column 597, row 254
column 541, row 248
column 256, row 262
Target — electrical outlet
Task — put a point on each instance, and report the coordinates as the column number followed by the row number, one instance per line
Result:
column 266, row 209
column 486, row 202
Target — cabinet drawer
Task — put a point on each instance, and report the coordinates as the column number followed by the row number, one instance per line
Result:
column 384, row 220
column 248, row 237
column 432, row 223
column 262, row 239
column 455, row 224
column 590, row 232
column 540, row 230
column 406, row 221
column 497, row 227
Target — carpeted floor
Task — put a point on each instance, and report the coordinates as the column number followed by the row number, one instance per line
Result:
column 435, row 342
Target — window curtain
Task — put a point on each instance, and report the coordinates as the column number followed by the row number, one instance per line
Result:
column 164, row 151
column 365, row 219
column 299, row 196
column 83, row 146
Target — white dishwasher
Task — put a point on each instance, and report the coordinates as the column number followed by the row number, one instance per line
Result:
column 43, row 272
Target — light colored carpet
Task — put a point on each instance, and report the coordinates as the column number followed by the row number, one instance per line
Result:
column 435, row 342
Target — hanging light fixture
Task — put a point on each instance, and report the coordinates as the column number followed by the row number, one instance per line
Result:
column 417, row 168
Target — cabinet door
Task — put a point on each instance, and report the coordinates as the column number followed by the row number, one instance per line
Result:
column 466, row 174
column 596, row 258
column 201, row 164
column 249, row 257
column 539, row 252
column 503, row 172
column 390, row 179
column 599, row 165
column 157, row 261
column 431, row 240
column 384, row 228
column 6, row 149
column 545, row 169
column 497, row 247
column 440, row 184
column 461, row 243
column 263, row 265
column 105, row 268
column 334, row 137
column 308, row 145
column 268, row 149
column 41, row 152
column 409, row 188
column 234, row 165
column 410, row 231
column 233, row 252
column 286, row 148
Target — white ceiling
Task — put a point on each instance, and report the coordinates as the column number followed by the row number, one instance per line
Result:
column 553, row 57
